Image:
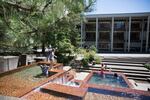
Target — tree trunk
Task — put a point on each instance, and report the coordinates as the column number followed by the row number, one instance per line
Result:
column 43, row 48
column 43, row 44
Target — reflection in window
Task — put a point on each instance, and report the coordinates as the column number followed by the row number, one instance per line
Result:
column 119, row 26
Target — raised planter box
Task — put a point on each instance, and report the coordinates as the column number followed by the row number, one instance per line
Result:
column 8, row 63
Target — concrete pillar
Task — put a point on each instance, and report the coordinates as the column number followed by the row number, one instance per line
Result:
column 147, row 33
column 129, row 34
column 142, row 35
column 81, row 33
column 96, row 34
column 126, row 35
column 112, row 31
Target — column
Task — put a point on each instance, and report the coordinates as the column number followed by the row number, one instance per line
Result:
column 111, row 36
column 147, row 33
column 129, row 34
column 96, row 34
column 126, row 35
column 142, row 35
column 81, row 33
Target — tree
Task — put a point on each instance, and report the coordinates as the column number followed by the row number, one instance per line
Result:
column 42, row 22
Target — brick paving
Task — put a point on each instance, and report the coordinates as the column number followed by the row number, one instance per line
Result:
column 95, row 96
column 43, row 96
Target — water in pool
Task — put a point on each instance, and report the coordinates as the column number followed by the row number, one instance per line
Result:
column 108, row 79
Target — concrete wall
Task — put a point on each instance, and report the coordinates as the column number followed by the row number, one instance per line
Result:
column 8, row 63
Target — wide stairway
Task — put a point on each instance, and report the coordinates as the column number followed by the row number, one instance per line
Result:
column 133, row 68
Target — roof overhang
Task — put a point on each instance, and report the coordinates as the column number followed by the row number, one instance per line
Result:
column 117, row 15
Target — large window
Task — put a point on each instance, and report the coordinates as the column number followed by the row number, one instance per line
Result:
column 90, row 27
column 104, row 26
column 118, row 37
column 119, row 26
column 135, row 26
column 135, row 36
column 91, row 20
column 104, row 36
column 90, row 36
column 118, row 40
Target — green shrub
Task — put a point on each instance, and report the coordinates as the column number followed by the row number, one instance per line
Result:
column 85, row 62
column 97, row 59
column 89, row 56
column 64, row 52
column 147, row 66
column 93, row 48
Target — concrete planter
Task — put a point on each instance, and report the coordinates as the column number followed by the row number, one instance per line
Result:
column 8, row 63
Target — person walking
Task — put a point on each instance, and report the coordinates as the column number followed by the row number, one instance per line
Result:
column 52, row 55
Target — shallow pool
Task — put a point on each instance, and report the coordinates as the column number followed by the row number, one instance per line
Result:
column 108, row 79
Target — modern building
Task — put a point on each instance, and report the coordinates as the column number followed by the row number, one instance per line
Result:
column 125, row 32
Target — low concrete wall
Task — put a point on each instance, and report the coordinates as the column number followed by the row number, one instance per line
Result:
column 8, row 63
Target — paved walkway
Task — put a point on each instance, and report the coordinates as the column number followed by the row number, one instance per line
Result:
column 139, row 86
column 81, row 75
column 9, row 98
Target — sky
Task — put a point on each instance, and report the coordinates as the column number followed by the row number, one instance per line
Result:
column 121, row 6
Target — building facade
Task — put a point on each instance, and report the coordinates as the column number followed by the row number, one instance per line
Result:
column 117, row 32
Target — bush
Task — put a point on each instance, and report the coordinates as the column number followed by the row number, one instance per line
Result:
column 85, row 62
column 89, row 56
column 147, row 66
column 93, row 48
column 97, row 59
column 65, row 52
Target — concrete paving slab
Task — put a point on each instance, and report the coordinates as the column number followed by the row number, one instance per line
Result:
column 139, row 86
column 142, row 86
column 81, row 75
column 9, row 98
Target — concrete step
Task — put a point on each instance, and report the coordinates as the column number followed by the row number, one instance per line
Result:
column 127, row 72
column 122, row 67
column 128, row 68
column 130, row 71
column 123, row 64
column 137, row 75
column 136, row 78
column 129, row 59
column 123, row 61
